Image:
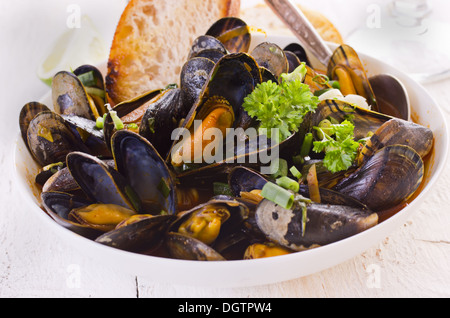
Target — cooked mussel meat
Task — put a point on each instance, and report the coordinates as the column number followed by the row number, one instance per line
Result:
column 346, row 67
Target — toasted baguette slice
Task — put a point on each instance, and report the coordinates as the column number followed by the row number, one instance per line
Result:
column 262, row 17
column 153, row 40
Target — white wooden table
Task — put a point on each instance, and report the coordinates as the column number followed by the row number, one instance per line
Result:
column 414, row 261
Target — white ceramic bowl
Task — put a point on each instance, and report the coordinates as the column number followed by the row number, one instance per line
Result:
column 256, row 272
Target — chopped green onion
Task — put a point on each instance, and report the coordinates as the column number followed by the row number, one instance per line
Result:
column 304, row 217
column 163, row 187
column 118, row 124
column 222, row 189
column 100, row 123
column 322, row 91
column 280, row 166
column 133, row 126
column 87, row 79
column 307, row 145
column 96, row 92
column 288, row 184
column 335, row 84
column 278, row 195
column 295, row 172
column 53, row 165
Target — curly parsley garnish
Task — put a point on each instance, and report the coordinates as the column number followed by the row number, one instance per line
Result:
column 340, row 151
column 283, row 105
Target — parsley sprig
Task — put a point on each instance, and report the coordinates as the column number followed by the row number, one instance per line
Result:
column 338, row 144
column 281, row 106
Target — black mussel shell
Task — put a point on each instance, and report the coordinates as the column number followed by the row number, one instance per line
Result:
column 399, row 132
column 194, row 75
column 161, row 118
column 145, row 171
column 58, row 205
column 28, row 112
column 50, row 139
column 299, row 52
column 143, row 236
column 271, row 57
column 233, row 33
column 318, row 225
column 70, row 97
column 101, row 183
column 206, row 42
column 390, row 177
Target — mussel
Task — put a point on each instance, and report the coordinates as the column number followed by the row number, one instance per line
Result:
column 196, row 232
column 233, row 32
column 146, row 172
column 388, row 178
column 308, row 225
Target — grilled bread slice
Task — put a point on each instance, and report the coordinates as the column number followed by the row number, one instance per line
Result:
column 262, row 17
column 153, row 40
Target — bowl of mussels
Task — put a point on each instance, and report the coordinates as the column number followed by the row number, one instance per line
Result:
column 260, row 166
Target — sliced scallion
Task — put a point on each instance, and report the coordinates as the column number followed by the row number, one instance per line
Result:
column 278, row 195
column 288, row 184
column 295, row 172
column 118, row 124
column 280, row 166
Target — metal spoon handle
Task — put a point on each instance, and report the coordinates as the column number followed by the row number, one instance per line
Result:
column 294, row 18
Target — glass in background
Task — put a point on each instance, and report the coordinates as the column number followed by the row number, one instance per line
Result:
column 407, row 35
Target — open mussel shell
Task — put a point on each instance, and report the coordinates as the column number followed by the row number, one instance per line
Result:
column 59, row 205
column 213, row 55
column 70, row 97
column 243, row 179
column 27, row 114
column 233, row 32
column 271, row 57
column 188, row 248
column 316, row 225
column 194, row 75
column 63, row 181
column 220, row 102
column 398, row 132
column 365, row 121
column 390, row 177
column 101, row 183
column 141, row 236
column 87, row 133
column 299, row 52
column 161, row 118
column 204, row 43
column 346, row 60
column 131, row 111
column 50, row 139
column 184, row 242
column 94, row 83
column 145, row 171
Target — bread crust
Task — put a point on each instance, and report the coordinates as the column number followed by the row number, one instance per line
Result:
column 128, row 52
